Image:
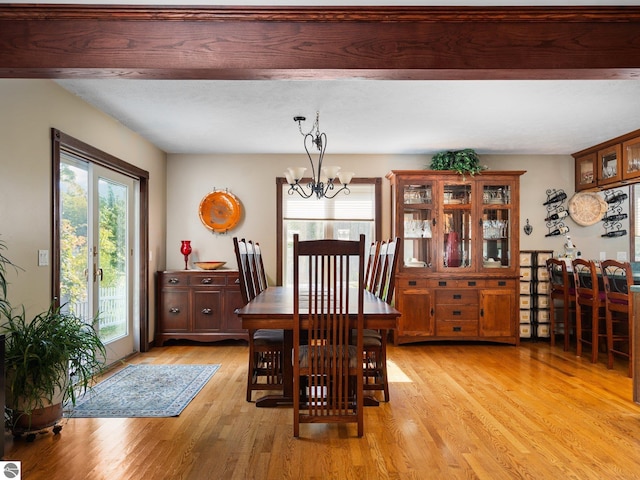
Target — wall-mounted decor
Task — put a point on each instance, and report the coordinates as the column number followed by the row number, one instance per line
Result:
column 556, row 212
column 220, row 211
column 614, row 214
column 587, row 208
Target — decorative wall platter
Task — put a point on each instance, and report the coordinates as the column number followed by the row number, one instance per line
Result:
column 587, row 208
column 220, row 211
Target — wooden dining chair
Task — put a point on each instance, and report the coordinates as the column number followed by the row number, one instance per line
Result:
column 265, row 346
column 372, row 265
column 562, row 290
column 327, row 362
column 618, row 279
column 375, row 341
column 590, row 298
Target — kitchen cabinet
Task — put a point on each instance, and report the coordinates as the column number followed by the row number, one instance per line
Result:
column 586, row 166
column 609, row 164
column 458, row 271
column 198, row 305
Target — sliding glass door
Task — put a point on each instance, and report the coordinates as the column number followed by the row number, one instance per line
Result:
column 97, row 250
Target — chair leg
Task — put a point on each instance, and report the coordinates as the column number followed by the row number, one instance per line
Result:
column 578, row 330
column 609, row 320
column 251, row 367
column 383, row 363
column 567, row 325
column 595, row 331
column 552, row 321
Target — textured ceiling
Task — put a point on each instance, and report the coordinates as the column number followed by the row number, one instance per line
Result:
column 500, row 117
column 365, row 116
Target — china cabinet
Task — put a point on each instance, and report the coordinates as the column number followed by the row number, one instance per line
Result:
column 458, row 273
column 198, row 305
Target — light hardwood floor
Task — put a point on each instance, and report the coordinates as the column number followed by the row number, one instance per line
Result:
column 457, row 411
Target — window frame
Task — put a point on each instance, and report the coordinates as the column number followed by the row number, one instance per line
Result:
column 281, row 182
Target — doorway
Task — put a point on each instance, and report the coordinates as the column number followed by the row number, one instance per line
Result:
column 100, row 244
column 97, row 219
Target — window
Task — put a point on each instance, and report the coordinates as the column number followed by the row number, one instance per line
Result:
column 344, row 217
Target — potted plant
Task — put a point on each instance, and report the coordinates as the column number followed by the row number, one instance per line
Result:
column 48, row 360
column 461, row 161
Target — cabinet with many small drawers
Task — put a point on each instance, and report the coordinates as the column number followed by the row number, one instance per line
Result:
column 198, row 305
column 534, row 294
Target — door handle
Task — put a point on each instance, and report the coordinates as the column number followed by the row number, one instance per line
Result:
column 97, row 273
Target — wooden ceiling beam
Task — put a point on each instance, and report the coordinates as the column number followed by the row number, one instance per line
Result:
column 402, row 43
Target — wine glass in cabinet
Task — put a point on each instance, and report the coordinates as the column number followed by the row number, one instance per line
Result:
column 496, row 224
column 418, row 223
column 586, row 177
column 609, row 165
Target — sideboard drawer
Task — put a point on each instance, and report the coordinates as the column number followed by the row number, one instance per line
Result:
column 461, row 296
column 452, row 328
column 457, row 312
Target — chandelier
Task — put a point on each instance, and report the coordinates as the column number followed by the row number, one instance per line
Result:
column 323, row 180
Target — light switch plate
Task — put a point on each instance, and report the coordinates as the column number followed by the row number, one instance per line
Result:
column 43, row 258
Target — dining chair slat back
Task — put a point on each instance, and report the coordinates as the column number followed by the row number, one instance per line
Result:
column 327, row 362
column 265, row 369
column 244, row 271
column 388, row 264
column 372, row 265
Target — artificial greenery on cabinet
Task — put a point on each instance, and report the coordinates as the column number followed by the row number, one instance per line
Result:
column 460, row 161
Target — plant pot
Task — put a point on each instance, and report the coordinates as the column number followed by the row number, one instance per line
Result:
column 24, row 418
column 39, row 419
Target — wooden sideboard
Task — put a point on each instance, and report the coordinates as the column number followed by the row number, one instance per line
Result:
column 198, row 305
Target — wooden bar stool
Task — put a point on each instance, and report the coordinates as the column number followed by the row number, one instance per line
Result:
column 563, row 289
column 589, row 296
column 618, row 279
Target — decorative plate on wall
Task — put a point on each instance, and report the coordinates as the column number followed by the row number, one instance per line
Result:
column 220, row 211
column 587, row 208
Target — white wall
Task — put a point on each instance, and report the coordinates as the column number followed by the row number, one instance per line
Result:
column 29, row 109
column 555, row 172
column 252, row 179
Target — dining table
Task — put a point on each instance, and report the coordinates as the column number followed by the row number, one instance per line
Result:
column 273, row 309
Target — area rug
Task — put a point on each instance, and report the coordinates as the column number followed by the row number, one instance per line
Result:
column 144, row 391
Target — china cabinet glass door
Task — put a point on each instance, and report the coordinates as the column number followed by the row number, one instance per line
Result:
column 418, row 225
column 455, row 226
column 496, row 225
